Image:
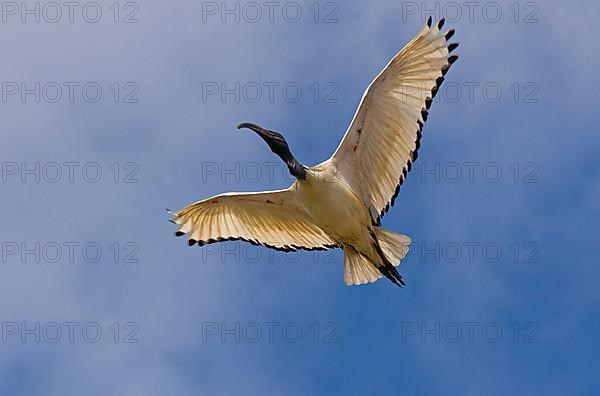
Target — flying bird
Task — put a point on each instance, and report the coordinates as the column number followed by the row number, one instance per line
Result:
column 340, row 202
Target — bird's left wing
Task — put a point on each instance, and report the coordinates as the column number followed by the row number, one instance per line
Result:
column 272, row 219
column 381, row 143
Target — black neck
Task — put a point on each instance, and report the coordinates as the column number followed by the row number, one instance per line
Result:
column 279, row 146
column 297, row 169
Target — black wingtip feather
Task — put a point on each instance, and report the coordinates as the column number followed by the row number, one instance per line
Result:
column 450, row 34
column 452, row 59
column 179, row 233
column 429, row 22
column 441, row 23
column 452, row 47
column 191, row 242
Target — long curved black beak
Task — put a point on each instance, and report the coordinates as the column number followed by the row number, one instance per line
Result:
column 279, row 146
column 256, row 128
column 275, row 141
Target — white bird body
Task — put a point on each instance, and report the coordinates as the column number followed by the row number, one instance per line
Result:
column 331, row 204
column 340, row 202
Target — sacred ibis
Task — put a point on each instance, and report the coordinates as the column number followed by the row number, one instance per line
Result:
column 339, row 203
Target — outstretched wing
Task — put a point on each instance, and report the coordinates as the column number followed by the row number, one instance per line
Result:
column 381, row 143
column 272, row 219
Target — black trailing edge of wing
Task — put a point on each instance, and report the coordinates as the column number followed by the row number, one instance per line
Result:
column 288, row 248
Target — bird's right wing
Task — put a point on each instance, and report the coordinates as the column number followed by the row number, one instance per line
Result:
column 381, row 143
column 273, row 219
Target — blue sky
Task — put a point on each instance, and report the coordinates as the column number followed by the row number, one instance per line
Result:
column 502, row 207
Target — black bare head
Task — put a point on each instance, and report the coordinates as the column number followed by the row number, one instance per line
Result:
column 279, row 146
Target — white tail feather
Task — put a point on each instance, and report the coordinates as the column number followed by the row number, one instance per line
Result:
column 357, row 269
column 394, row 245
